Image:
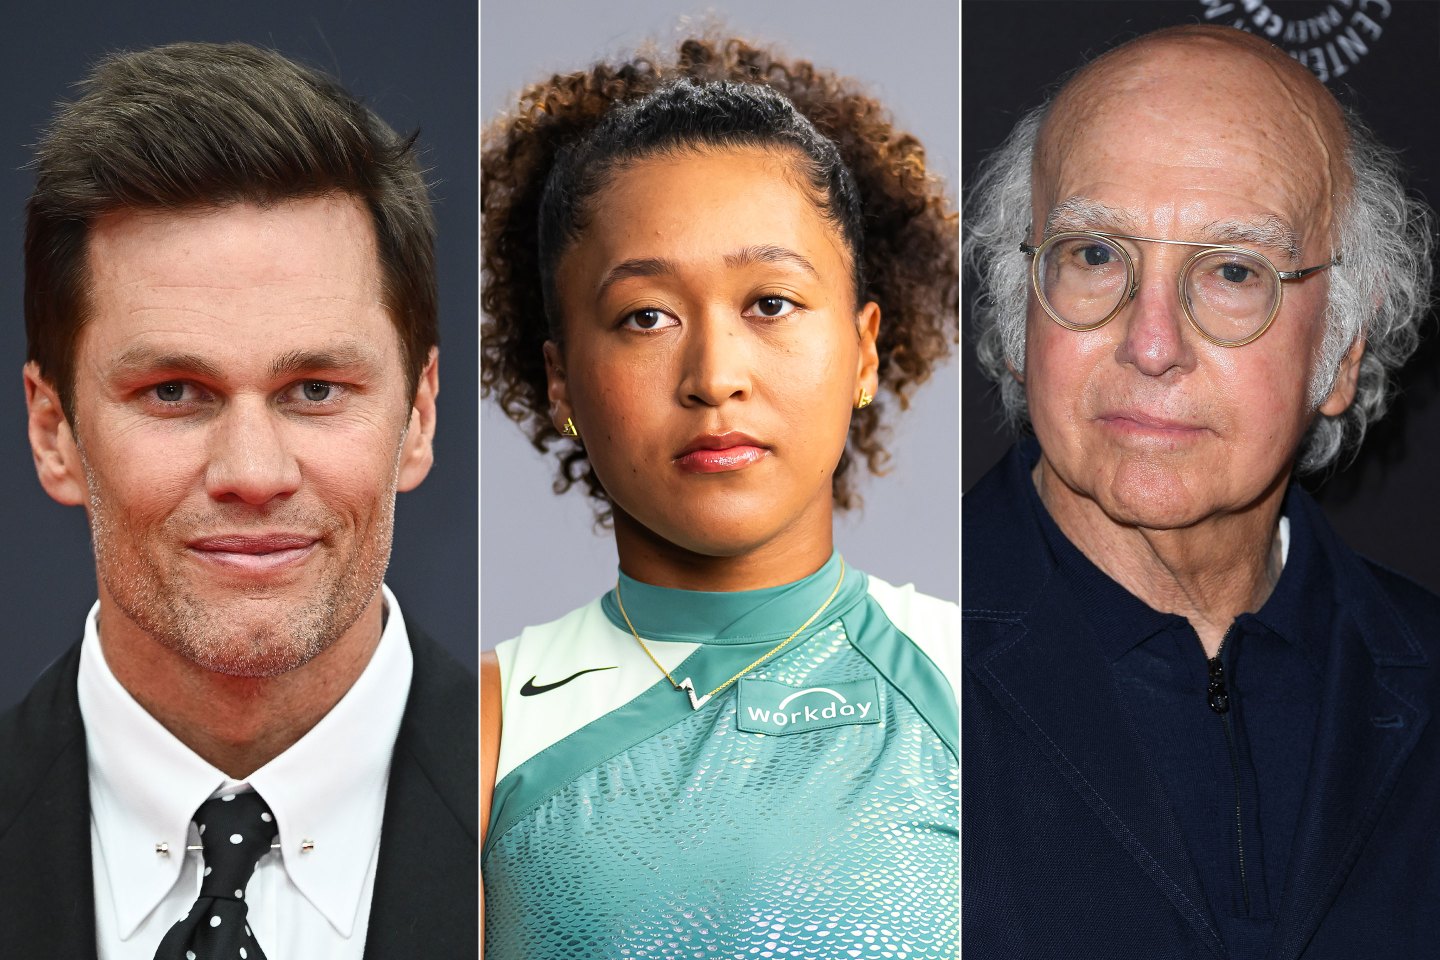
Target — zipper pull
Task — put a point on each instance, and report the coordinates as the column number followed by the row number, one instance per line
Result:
column 1218, row 696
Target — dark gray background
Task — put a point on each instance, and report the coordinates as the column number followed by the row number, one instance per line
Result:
column 416, row 70
column 540, row 555
column 1383, row 504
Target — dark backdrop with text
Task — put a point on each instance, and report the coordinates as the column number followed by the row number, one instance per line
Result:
column 417, row 70
column 1383, row 59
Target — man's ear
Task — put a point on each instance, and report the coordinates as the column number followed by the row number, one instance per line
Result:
column 417, row 452
column 52, row 443
column 867, row 371
column 1346, row 380
column 557, row 388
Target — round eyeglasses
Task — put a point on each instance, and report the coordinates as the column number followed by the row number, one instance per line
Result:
column 1231, row 295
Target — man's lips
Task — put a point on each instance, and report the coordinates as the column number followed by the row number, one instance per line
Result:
column 720, row 452
column 258, row 552
column 1140, row 423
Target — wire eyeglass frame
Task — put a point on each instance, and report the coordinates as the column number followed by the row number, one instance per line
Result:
column 1132, row 286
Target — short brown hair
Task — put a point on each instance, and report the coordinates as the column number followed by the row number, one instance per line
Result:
column 201, row 124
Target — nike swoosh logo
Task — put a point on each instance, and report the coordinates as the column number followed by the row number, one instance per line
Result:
column 531, row 687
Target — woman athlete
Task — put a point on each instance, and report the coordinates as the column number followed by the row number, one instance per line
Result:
column 704, row 282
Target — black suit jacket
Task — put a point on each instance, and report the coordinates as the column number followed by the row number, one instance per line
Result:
column 1070, row 847
column 427, row 880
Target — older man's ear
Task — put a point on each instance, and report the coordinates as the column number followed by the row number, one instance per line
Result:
column 57, row 458
column 1347, row 379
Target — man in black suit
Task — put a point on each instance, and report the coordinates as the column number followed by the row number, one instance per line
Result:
column 231, row 313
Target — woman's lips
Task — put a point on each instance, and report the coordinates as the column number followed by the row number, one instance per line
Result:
column 706, row 460
column 720, row 452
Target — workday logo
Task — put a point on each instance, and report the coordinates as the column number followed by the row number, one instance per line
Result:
column 767, row 706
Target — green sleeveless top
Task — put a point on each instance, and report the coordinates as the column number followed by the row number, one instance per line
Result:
column 810, row 810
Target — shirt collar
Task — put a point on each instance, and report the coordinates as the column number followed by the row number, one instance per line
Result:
column 1122, row 620
column 1301, row 608
column 327, row 788
column 734, row 617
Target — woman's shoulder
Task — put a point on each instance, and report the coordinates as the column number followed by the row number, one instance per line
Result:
column 906, row 605
column 576, row 635
column 561, row 626
column 931, row 624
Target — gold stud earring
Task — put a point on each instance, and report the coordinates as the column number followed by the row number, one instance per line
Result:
column 568, row 430
column 864, row 400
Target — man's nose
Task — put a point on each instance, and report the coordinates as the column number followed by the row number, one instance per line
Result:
column 1156, row 337
column 251, row 455
column 716, row 361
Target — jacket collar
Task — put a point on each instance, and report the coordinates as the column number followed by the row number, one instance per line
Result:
column 48, row 909
column 1371, row 717
column 426, row 883
column 1047, row 668
column 427, row 880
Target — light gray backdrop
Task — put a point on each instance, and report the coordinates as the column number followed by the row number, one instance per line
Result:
column 540, row 554
column 416, row 71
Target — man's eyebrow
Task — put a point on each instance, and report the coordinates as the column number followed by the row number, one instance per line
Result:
column 340, row 357
column 1082, row 213
column 1271, row 232
column 770, row 253
column 138, row 360
column 143, row 360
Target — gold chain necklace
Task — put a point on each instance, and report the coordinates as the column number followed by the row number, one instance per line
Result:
column 686, row 685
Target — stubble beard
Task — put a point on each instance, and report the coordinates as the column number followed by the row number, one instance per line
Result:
column 218, row 636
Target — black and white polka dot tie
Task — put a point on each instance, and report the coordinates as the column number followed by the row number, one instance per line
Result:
column 236, row 830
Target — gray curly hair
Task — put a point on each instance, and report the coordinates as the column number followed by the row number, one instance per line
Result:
column 1382, row 293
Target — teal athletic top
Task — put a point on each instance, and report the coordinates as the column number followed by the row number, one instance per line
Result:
column 809, row 810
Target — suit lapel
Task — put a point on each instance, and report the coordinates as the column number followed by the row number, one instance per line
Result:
column 1050, row 676
column 47, row 909
column 1369, row 724
column 426, row 885
column 427, row 891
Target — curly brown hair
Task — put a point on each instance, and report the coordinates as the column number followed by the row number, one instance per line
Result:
column 909, row 261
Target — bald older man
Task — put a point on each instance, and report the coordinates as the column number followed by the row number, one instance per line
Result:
column 1196, row 724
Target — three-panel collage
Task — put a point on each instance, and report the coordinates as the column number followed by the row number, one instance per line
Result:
column 912, row 480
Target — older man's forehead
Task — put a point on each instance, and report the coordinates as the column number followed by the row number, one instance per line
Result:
column 1202, row 72
column 1197, row 137
column 1221, row 53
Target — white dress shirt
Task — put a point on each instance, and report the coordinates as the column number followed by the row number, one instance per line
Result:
column 328, row 789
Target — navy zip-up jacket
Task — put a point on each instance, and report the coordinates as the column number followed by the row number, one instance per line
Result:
column 1073, row 843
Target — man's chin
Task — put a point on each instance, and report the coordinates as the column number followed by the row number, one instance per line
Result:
column 1152, row 505
column 240, row 634
column 248, row 657
column 249, row 639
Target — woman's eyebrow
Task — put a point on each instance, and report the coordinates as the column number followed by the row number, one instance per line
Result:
column 636, row 267
column 660, row 266
column 770, row 253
